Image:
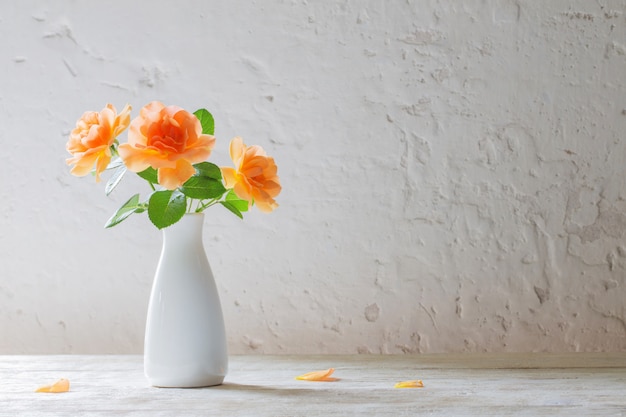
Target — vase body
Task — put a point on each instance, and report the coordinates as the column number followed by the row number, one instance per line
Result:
column 185, row 340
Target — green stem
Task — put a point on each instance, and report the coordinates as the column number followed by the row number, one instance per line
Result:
column 207, row 205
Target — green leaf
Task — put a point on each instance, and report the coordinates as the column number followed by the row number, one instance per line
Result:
column 166, row 207
column 115, row 163
column 130, row 207
column 241, row 205
column 206, row 120
column 149, row 174
column 207, row 169
column 203, row 188
column 235, row 204
column 230, row 206
column 115, row 179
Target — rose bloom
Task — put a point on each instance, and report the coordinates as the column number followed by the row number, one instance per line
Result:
column 91, row 140
column 168, row 139
column 254, row 177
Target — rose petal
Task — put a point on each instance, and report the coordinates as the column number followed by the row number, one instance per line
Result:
column 62, row 385
column 318, row 376
column 172, row 178
column 90, row 141
column 236, row 149
column 254, row 177
column 416, row 383
column 168, row 139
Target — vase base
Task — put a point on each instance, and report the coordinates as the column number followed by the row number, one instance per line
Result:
column 210, row 381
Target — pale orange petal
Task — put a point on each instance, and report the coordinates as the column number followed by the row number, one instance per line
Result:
column 151, row 108
column 266, row 206
column 263, row 201
column 416, row 383
column 200, row 151
column 134, row 159
column 122, row 121
column 84, row 163
column 318, row 375
column 237, row 149
column 168, row 139
column 91, row 139
column 230, row 176
column 254, row 177
column 62, row 385
column 172, row 178
column 102, row 162
column 242, row 190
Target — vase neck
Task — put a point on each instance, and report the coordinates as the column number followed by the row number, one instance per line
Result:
column 187, row 230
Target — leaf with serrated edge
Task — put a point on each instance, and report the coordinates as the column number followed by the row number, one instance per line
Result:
column 128, row 208
column 166, row 207
column 149, row 174
column 241, row 205
column 207, row 169
column 233, row 209
column 203, row 188
column 116, row 163
column 115, row 179
column 206, row 120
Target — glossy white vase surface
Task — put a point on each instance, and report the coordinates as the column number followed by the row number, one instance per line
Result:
column 185, row 340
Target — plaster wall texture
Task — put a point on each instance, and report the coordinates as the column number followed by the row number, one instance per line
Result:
column 453, row 172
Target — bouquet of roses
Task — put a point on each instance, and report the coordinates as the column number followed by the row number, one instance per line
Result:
column 168, row 147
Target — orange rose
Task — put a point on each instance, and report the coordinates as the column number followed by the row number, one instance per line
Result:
column 168, row 139
column 254, row 177
column 91, row 140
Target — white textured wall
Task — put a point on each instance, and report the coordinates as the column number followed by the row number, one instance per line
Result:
column 453, row 172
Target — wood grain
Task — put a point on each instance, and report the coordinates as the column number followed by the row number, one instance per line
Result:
column 454, row 385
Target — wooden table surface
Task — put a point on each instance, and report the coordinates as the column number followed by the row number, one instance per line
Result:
column 454, row 385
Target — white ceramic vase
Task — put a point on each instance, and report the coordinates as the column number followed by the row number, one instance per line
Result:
column 185, row 341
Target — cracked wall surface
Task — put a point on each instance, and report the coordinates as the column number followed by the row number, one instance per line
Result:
column 453, row 172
